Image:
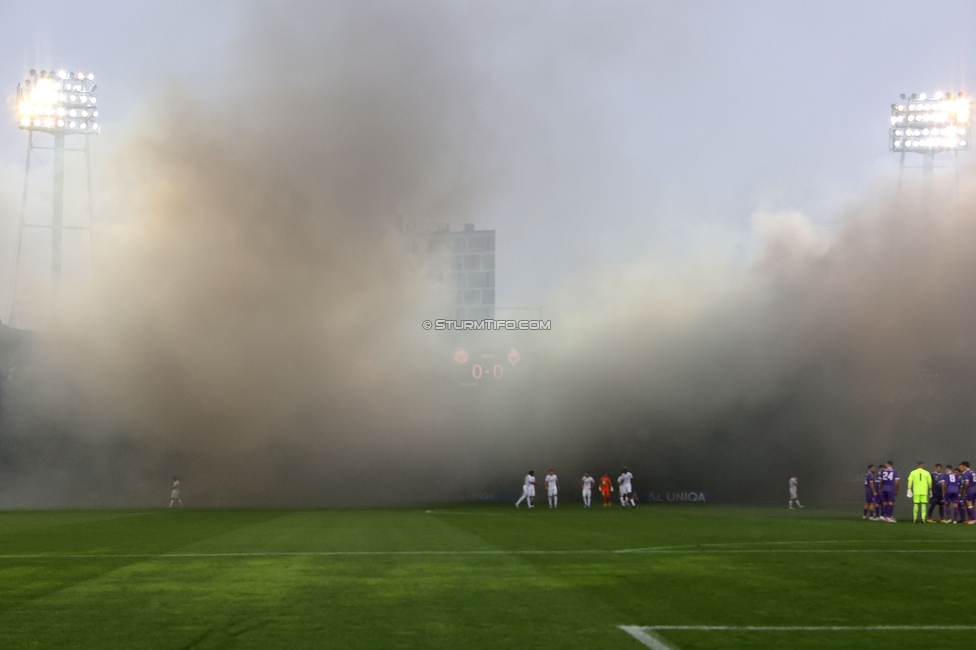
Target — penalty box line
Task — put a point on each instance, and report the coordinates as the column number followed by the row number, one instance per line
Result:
column 645, row 633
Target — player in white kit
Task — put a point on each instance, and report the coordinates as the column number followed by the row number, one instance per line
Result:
column 174, row 495
column 587, row 484
column 528, row 489
column 793, row 497
column 552, row 489
column 625, row 481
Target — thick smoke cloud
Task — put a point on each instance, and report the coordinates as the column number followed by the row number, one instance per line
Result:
column 253, row 322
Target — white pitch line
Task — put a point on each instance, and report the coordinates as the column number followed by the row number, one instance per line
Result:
column 650, row 640
column 645, row 633
column 794, row 542
column 691, row 549
column 257, row 554
column 806, row 628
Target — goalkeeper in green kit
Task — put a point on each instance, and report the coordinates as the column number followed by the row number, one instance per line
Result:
column 919, row 491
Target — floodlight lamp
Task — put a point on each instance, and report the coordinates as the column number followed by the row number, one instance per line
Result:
column 55, row 95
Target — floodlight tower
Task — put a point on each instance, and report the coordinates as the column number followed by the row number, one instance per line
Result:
column 930, row 125
column 60, row 104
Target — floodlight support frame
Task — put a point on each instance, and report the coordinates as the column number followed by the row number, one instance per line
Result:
column 57, row 214
column 56, row 226
column 21, row 225
column 927, row 167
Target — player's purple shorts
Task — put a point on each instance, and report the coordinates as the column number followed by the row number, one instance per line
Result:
column 952, row 497
column 868, row 496
column 887, row 495
column 971, row 494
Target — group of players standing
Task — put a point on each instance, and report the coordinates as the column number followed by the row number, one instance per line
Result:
column 625, row 482
column 952, row 491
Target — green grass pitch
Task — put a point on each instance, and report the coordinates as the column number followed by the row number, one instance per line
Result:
column 477, row 576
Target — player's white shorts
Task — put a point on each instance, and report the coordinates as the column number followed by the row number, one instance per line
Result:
column 175, row 494
column 586, row 492
column 792, row 493
column 531, row 491
column 625, row 488
column 553, row 492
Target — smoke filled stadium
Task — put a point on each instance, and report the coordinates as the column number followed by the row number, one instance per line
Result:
column 440, row 323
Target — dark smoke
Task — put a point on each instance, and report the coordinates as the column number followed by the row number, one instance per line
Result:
column 253, row 323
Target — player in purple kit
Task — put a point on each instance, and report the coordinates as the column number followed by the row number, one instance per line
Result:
column 951, row 491
column 870, row 492
column 937, row 499
column 877, row 494
column 889, row 488
column 968, row 491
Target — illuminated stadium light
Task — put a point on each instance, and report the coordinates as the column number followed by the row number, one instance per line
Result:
column 933, row 124
column 45, row 98
column 56, row 103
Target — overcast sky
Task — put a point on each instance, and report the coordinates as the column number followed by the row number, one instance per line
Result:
column 674, row 121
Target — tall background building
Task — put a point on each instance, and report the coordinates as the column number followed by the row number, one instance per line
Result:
column 463, row 261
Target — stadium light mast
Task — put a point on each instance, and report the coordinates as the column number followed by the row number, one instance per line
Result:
column 60, row 104
column 928, row 126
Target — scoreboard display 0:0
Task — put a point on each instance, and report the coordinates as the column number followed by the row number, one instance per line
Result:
column 478, row 371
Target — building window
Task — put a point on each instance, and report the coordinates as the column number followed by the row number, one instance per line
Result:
column 472, row 297
column 479, row 280
column 478, row 244
column 472, row 262
column 488, row 261
column 479, row 313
